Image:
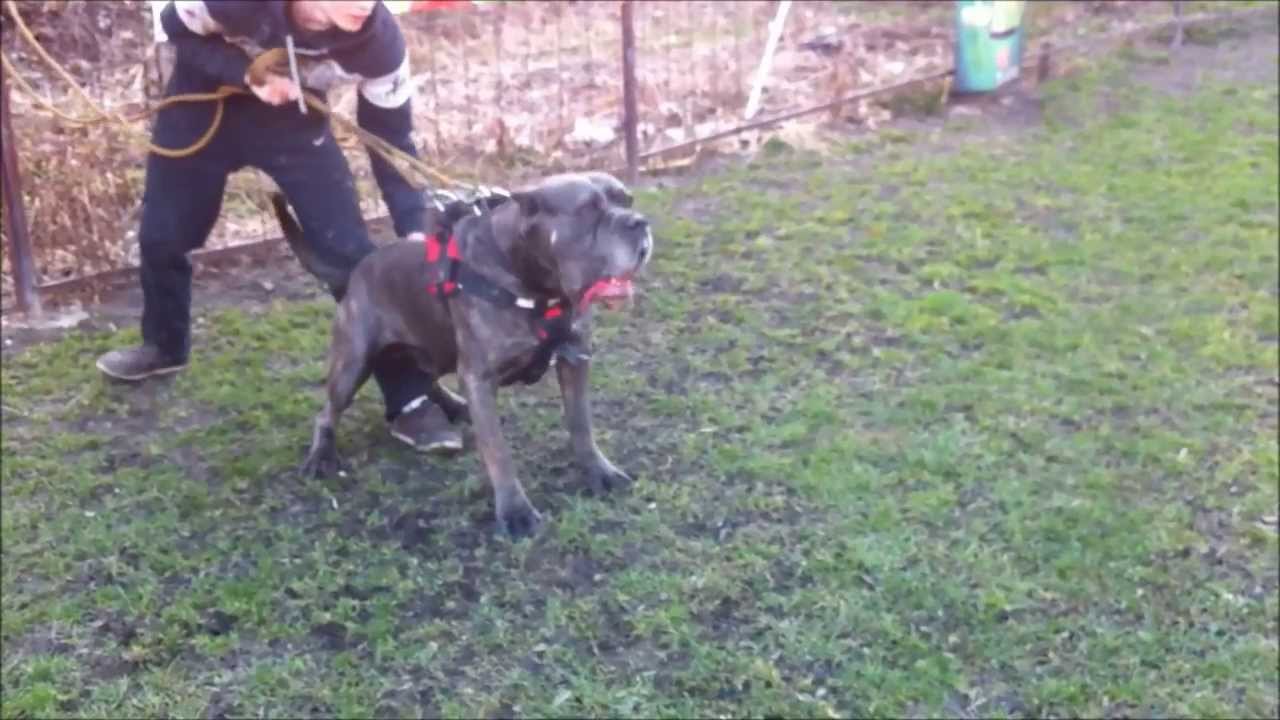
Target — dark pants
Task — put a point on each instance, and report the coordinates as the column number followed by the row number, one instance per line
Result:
column 183, row 198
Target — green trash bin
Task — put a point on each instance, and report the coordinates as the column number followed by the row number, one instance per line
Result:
column 988, row 46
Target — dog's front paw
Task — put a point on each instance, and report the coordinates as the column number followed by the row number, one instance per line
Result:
column 321, row 462
column 603, row 477
column 517, row 517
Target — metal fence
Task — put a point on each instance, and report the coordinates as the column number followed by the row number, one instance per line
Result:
column 506, row 91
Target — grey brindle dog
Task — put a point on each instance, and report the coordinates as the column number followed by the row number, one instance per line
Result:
column 518, row 301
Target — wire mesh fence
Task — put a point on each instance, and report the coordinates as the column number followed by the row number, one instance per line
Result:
column 505, row 91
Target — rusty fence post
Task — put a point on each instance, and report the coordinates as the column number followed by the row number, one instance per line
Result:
column 21, row 262
column 629, row 90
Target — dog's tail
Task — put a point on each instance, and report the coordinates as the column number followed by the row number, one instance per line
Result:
column 331, row 275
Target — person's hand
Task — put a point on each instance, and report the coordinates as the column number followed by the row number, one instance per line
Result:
column 275, row 90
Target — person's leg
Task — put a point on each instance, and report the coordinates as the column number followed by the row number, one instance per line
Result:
column 181, row 201
column 315, row 178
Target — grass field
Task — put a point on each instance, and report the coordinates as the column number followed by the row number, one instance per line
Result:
column 963, row 423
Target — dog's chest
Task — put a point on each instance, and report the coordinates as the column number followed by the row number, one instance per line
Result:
column 513, row 351
column 526, row 368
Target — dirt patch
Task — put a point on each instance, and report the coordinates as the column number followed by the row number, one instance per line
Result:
column 1244, row 55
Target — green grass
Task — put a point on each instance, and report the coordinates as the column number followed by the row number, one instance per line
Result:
column 985, row 430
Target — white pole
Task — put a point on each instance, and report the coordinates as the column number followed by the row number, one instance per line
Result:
column 766, row 62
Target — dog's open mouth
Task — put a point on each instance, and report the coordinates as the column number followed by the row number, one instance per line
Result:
column 614, row 292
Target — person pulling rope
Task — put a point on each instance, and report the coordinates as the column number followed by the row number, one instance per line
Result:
column 228, row 106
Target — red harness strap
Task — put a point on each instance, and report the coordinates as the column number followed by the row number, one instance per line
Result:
column 449, row 285
column 548, row 318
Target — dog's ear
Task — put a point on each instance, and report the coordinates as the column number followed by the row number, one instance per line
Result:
column 619, row 196
column 613, row 188
column 528, row 201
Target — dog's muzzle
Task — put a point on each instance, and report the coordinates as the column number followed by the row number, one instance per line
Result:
column 646, row 246
column 634, row 223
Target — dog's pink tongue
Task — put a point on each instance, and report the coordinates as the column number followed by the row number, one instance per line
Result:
column 613, row 292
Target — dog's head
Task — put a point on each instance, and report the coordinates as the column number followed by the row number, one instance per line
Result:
column 579, row 237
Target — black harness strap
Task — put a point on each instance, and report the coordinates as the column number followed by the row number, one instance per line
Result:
column 553, row 326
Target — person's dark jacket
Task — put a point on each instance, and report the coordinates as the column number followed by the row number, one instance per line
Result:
column 215, row 42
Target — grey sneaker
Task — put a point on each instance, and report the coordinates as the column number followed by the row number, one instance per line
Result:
column 426, row 428
column 137, row 363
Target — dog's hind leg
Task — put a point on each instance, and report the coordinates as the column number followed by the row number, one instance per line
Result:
column 349, row 369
